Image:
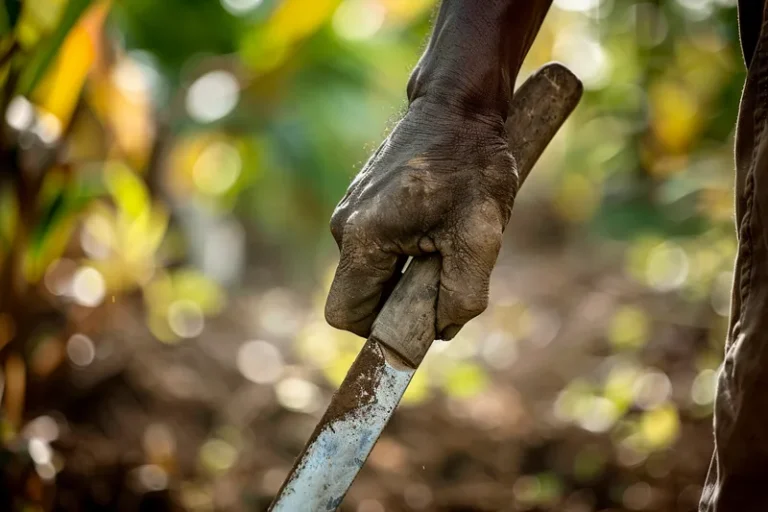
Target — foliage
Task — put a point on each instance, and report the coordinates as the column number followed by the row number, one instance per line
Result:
column 146, row 144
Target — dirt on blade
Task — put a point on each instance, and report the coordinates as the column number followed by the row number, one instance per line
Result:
column 358, row 388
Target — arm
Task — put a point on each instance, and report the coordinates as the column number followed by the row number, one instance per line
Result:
column 444, row 180
column 475, row 53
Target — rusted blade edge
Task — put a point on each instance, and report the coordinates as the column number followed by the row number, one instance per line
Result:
column 346, row 434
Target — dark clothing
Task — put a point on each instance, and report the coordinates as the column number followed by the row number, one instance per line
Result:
column 738, row 474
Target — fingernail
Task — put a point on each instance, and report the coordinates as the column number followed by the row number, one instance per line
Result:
column 450, row 332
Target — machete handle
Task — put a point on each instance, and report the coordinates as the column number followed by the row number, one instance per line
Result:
column 406, row 323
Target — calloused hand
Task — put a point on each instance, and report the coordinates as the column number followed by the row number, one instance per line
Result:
column 443, row 181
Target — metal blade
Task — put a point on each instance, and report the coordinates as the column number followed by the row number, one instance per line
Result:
column 349, row 429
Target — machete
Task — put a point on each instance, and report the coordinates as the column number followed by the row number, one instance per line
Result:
column 405, row 328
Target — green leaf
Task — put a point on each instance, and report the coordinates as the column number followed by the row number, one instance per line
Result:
column 12, row 12
column 9, row 216
column 63, row 198
column 46, row 55
column 54, row 211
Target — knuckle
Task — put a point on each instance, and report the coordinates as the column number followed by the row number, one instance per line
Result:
column 508, row 169
column 339, row 219
column 351, row 226
column 502, row 178
column 356, row 232
column 337, row 228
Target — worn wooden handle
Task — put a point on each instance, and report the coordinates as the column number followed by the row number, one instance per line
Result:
column 406, row 323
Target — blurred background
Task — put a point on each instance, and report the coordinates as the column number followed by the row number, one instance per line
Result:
column 167, row 172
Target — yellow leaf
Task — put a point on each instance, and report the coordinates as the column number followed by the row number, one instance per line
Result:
column 60, row 88
column 128, row 190
column 296, row 19
column 291, row 22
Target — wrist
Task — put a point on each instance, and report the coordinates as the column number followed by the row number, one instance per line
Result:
column 443, row 113
column 475, row 53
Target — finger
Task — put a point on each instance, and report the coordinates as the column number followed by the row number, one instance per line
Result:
column 468, row 257
column 339, row 218
column 364, row 270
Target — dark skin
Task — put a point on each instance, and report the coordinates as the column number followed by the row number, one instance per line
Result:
column 444, row 181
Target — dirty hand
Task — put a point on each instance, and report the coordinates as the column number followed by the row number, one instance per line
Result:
column 443, row 181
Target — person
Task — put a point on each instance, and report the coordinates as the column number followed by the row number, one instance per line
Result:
column 444, row 181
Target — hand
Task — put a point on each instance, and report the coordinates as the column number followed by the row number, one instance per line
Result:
column 443, row 181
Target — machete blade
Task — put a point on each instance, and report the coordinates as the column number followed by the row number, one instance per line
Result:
column 349, row 429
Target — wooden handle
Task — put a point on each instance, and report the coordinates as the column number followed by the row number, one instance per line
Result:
column 406, row 323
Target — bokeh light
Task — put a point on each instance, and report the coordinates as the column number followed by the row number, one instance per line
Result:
column 186, row 318
column 20, row 114
column 703, row 388
column 217, row 168
column 80, row 350
column 260, row 362
column 88, row 287
column 212, row 96
column 359, row 19
column 240, row 7
column 298, row 395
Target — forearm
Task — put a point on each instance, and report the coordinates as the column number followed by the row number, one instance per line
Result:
column 475, row 52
